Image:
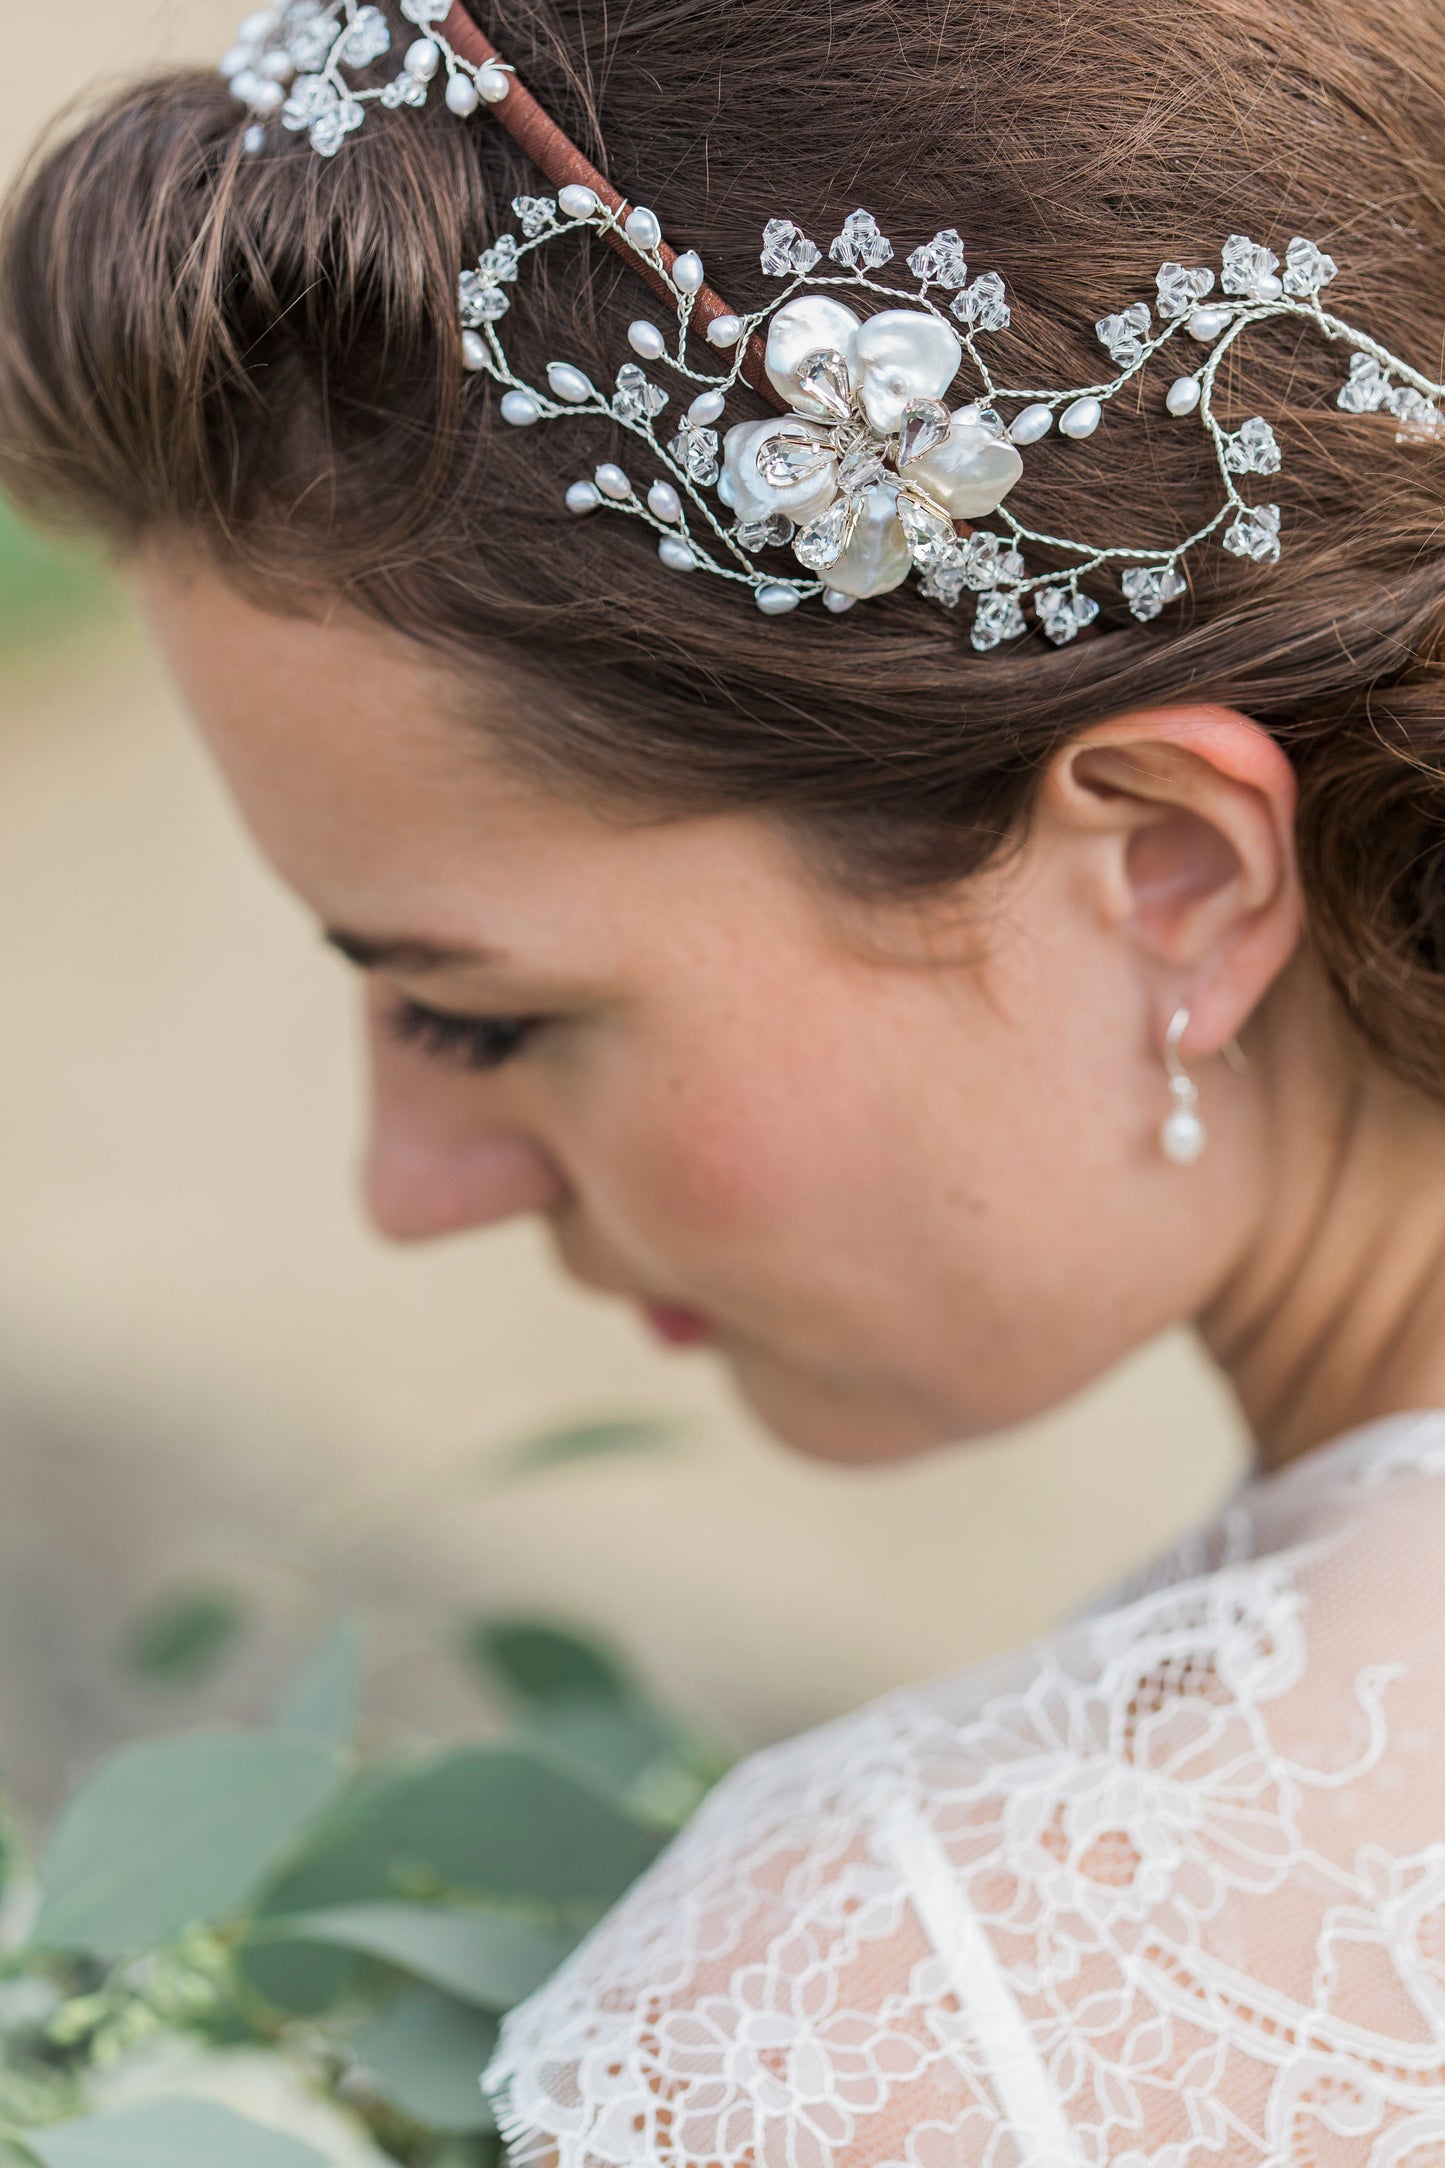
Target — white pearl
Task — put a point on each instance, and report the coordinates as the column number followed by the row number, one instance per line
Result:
column 775, row 600
column 246, row 86
column 726, row 493
column 462, row 96
column 971, row 471
column 253, row 140
column 277, row 67
column 676, row 554
column 268, row 98
column 474, row 354
column 1206, row 324
column 1269, row 288
column 1034, row 422
column 1182, row 396
column 724, row 331
column 687, row 271
column 1081, row 419
column 575, row 201
column 645, row 339
column 422, row 60
column 258, row 27
column 835, row 600
column 611, row 480
column 898, row 356
column 493, row 84
column 706, row 408
column 520, row 409
column 1182, row 1137
column 663, row 502
column 238, row 61
column 801, row 328
column 643, row 229
column 583, row 497
column 568, row 383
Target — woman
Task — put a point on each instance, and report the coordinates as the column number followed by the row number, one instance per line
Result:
column 917, row 1012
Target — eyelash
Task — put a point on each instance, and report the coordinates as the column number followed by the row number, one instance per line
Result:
column 479, row 1043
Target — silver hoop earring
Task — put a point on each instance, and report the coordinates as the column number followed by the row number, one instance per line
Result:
column 1182, row 1135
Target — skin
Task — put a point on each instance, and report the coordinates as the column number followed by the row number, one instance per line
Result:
column 904, row 1164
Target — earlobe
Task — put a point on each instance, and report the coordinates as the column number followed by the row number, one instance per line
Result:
column 1189, row 818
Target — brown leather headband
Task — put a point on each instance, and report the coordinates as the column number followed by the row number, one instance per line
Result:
column 564, row 166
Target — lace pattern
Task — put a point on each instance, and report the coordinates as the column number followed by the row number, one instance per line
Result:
column 1168, row 1888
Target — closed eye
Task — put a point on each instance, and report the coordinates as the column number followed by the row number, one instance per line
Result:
column 462, row 1042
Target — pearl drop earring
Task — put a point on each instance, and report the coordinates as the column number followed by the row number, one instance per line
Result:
column 1182, row 1135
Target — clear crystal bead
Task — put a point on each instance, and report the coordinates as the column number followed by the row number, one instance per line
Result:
column 637, row 398
column 861, row 465
column 1419, row 417
column 402, row 90
column 368, row 37
column 482, row 300
column 1255, row 534
column 823, row 375
column 499, row 262
column 330, row 129
column 1248, row 268
column 1181, row 287
column 1367, row 388
column 1063, row 613
column 925, row 426
column 987, row 560
column 309, row 42
column 982, row 306
column 773, row 533
column 1253, row 449
column 535, row 213
column 1148, row 587
column 1307, row 268
column 946, row 582
column 998, row 617
column 928, row 531
column 860, row 246
column 822, row 542
column 1124, row 335
column 791, row 456
column 940, row 261
column 310, row 97
column 695, row 450
column 787, row 251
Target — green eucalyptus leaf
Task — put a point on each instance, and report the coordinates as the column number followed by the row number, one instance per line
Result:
column 589, row 1441
column 185, row 1637
column 425, row 2056
column 493, row 1959
column 323, row 1700
column 169, row 2134
column 542, row 1664
column 176, row 1831
column 496, row 1821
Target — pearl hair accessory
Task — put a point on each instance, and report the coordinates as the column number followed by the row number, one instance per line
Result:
column 1182, row 1135
column 873, row 471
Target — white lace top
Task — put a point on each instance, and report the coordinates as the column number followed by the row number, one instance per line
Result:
column 1166, row 1889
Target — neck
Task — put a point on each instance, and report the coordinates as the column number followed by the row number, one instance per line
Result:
column 1336, row 1313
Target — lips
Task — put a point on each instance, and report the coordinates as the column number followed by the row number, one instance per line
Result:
column 676, row 1326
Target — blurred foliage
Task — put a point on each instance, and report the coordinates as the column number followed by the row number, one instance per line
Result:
column 589, row 1441
column 185, row 1637
column 259, row 1949
column 44, row 583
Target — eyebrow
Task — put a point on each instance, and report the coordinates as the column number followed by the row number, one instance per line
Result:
column 402, row 953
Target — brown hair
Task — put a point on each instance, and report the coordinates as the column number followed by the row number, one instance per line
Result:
column 263, row 351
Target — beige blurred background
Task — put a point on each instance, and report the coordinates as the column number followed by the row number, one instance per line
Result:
column 210, row 1370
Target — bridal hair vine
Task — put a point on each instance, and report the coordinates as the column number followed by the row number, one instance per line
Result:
column 866, row 472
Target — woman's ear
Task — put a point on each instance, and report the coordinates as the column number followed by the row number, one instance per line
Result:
column 1187, row 815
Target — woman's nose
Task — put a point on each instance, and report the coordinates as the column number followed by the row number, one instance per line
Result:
column 442, row 1156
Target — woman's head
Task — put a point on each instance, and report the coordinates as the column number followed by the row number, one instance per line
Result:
column 876, row 938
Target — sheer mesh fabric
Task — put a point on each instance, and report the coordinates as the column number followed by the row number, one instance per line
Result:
column 1167, row 1888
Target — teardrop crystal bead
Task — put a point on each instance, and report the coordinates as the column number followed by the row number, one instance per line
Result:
column 823, row 376
column 929, row 532
column 861, row 467
column 820, row 544
column 925, row 425
column 790, row 456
